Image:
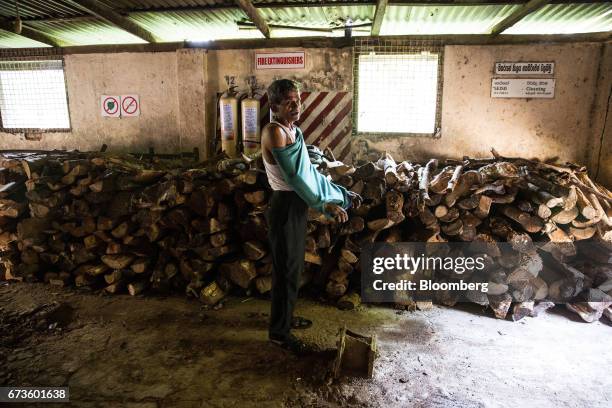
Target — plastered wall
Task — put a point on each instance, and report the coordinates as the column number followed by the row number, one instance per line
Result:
column 153, row 76
column 473, row 122
column 178, row 93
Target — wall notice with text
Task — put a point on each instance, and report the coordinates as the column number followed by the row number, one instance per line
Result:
column 522, row 88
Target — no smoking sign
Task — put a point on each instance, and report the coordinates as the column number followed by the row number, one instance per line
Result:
column 130, row 105
column 115, row 106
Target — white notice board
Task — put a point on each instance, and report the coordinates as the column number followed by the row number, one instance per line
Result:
column 522, row 88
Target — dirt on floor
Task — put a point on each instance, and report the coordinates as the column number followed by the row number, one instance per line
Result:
column 121, row 351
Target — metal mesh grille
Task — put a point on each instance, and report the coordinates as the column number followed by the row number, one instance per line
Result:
column 397, row 87
column 33, row 93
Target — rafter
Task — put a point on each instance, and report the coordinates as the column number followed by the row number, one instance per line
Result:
column 518, row 15
column 255, row 16
column 7, row 25
column 381, row 8
column 95, row 8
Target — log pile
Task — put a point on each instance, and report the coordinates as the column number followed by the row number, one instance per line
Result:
column 113, row 222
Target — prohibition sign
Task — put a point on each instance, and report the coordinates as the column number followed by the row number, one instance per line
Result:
column 111, row 105
column 129, row 105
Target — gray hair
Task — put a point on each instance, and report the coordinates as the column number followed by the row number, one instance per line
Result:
column 279, row 88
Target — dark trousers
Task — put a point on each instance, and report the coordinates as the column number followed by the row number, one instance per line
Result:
column 286, row 216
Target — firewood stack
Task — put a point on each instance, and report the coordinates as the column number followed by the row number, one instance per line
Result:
column 114, row 222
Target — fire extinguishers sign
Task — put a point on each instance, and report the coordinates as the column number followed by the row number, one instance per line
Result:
column 280, row 60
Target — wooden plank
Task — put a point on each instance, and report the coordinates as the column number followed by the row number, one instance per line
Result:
column 27, row 32
column 518, row 15
column 109, row 15
column 323, row 42
column 381, row 8
column 255, row 16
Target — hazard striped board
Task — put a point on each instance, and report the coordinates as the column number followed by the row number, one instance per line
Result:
column 325, row 120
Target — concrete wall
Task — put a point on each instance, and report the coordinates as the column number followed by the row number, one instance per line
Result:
column 600, row 148
column 473, row 122
column 325, row 70
column 170, row 87
column 178, row 91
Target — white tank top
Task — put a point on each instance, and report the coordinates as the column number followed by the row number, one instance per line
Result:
column 275, row 177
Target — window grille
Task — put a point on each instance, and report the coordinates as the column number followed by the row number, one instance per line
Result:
column 398, row 87
column 33, row 94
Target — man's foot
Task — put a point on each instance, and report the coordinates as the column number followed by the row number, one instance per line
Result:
column 291, row 343
column 300, row 323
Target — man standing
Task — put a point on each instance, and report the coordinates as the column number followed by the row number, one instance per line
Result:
column 296, row 185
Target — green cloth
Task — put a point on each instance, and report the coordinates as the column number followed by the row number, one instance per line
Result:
column 314, row 188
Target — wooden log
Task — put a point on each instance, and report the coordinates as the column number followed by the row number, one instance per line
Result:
column 590, row 305
column 453, row 228
column 470, row 202
column 255, row 197
column 137, row 287
column 466, row 181
column 254, row 250
column 529, row 223
column 240, row 272
column 212, row 294
column 584, row 205
column 500, row 304
column 348, row 256
column 323, row 237
column 388, row 165
column 439, row 183
column 522, row 309
column 263, row 284
column 117, row 261
column 451, row 215
column 484, row 207
column 425, row 179
column 394, row 203
column 582, row 233
column 350, row 301
column 565, row 216
column 313, row 258
column 452, row 183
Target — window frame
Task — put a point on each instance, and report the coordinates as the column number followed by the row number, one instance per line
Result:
column 397, row 47
column 15, row 56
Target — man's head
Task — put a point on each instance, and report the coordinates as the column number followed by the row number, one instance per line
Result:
column 284, row 97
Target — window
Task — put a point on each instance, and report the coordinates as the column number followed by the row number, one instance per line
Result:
column 33, row 96
column 398, row 89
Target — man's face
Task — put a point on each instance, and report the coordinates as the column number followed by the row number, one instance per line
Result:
column 290, row 107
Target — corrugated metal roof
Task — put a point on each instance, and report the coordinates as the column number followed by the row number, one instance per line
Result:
column 318, row 17
column 90, row 32
column 10, row 40
column 209, row 24
column 566, row 19
column 39, row 8
column 163, row 4
column 406, row 20
column 195, row 25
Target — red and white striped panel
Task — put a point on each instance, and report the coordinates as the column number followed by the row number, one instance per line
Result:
column 325, row 120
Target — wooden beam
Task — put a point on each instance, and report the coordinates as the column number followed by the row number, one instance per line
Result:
column 99, row 10
column 255, row 16
column 517, row 15
column 7, row 25
column 328, row 42
column 381, row 8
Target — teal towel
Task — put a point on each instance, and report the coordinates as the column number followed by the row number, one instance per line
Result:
column 314, row 188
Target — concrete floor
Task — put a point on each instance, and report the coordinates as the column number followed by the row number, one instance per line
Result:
column 168, row 352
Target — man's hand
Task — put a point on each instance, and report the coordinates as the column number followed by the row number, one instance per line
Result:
column 356, row 199
column 337, row 212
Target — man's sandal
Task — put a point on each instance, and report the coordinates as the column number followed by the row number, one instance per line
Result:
column 292, row 344
column 300, row 323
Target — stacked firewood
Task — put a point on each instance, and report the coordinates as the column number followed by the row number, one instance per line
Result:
column 113, row 222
